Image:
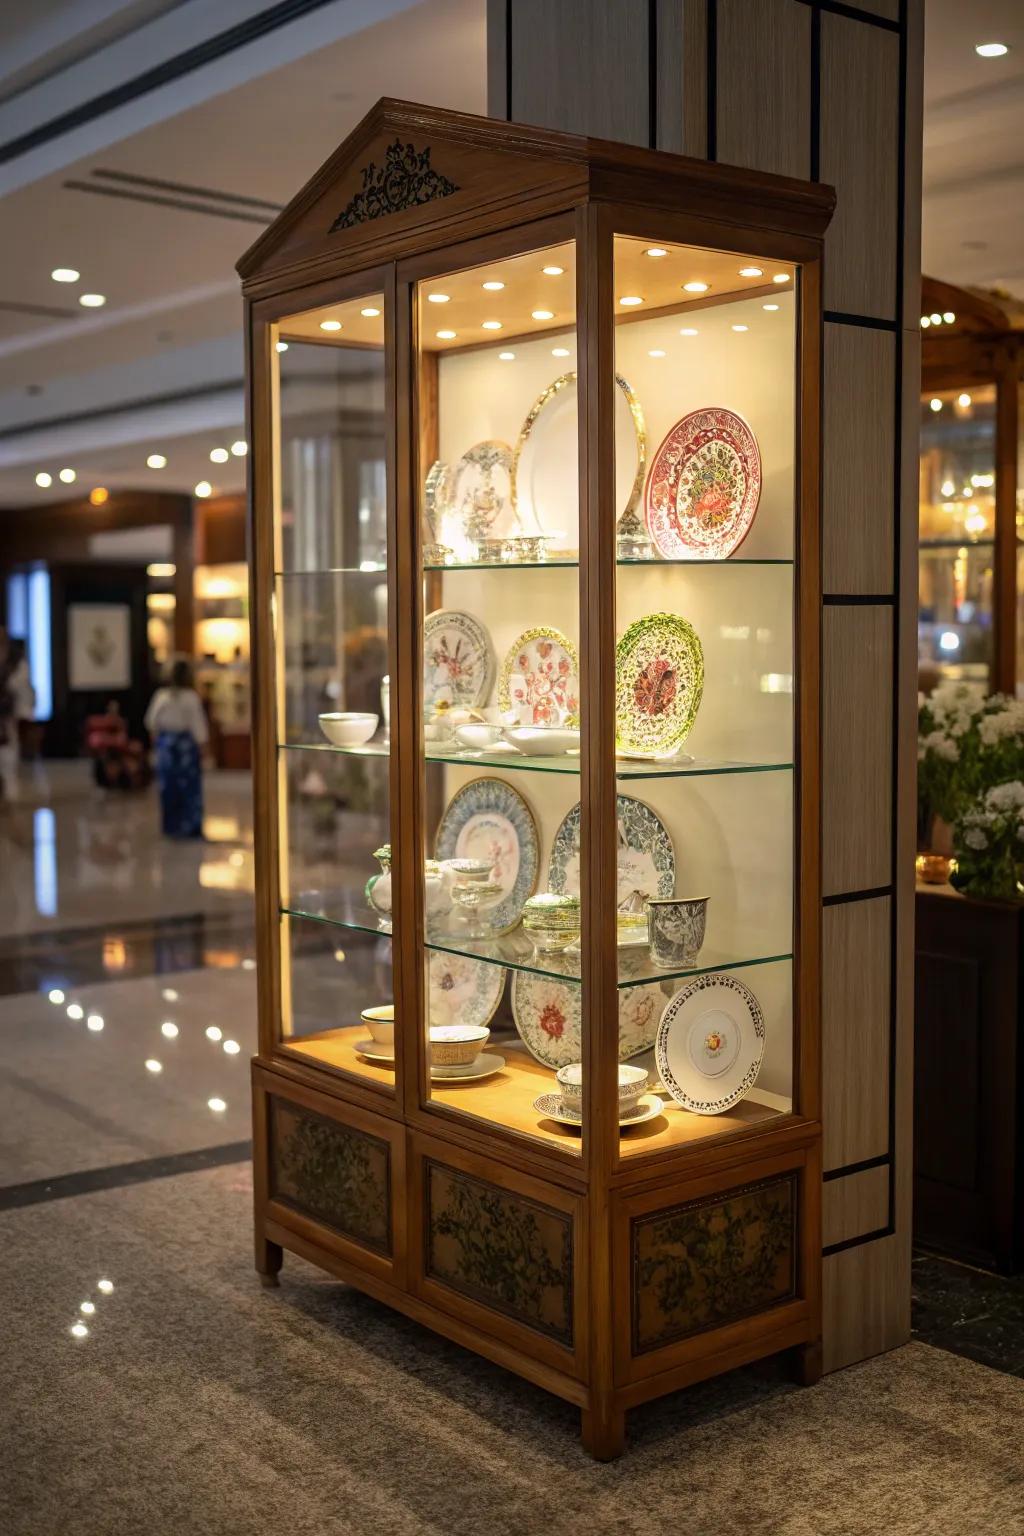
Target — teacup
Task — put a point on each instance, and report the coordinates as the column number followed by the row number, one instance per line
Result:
column 456, row 1045
column 381, row 1024
column 632, row 1085
column 676, row 926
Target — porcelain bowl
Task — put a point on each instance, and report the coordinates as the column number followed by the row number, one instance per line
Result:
column 632, row 1085
column 381, row 1023
column 456, row 1045
column 477, row 735
column 542, row 740
column 348, row 730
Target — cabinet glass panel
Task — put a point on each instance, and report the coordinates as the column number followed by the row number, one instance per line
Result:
column 957, row 533
column 499, row 478
column 705, row 488
column 331, row 628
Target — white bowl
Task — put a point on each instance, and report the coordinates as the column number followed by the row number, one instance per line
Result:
column 381, row 1023
column 542, row 740
column 348, row 729
column 453, row 1045
column 632, row 1084
column 478, row 736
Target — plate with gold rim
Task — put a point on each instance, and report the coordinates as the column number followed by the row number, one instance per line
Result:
column 659, row 681
column 540, row 678
column 489, row 819
column 704, row 486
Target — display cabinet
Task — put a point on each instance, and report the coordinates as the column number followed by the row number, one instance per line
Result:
column 535, row 637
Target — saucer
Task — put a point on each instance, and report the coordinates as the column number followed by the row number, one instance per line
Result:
column 374, row 1052
column 485, row 1065
column 552, row 1106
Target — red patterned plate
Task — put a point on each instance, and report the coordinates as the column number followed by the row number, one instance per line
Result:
column 704, row 486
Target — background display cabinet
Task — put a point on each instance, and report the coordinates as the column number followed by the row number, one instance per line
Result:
column 536, row 601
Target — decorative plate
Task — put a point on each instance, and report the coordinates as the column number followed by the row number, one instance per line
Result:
column 646, row 858
column 710, row 1043
column 458, row 659
column 485, row 1066
column 553, row 1107
column 478, row 497
column 704, row 486
column 540, row 679
column 488, row 819
column 463, row 991
column 659, row 680
column 549, row 1017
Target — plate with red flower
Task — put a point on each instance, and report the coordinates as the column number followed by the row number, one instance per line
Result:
column 540, row 679
column 549, row 1017
column 704, row 486
column 659, row 680
column 458, row 659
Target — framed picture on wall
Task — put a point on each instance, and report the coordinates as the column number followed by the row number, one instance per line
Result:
column 99, row 646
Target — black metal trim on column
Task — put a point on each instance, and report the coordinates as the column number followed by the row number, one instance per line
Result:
column 652, row 74
column 711, row 52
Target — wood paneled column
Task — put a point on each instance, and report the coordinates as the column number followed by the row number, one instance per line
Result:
column 830, row 92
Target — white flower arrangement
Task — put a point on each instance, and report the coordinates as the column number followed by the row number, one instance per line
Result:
column 988, row 838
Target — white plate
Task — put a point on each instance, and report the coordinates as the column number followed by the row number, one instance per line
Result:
column 552, row 1107
column 374, row 1052
column 463, row 991
column 458, row 659
column 710, row 1043
column 485, row 1066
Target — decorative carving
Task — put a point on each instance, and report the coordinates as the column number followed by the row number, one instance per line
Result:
column 510, row 1253
column 405, row 180
column 707, row 1263
column 332, row 1173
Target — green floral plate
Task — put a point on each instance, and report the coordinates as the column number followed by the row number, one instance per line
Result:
column 659, row 680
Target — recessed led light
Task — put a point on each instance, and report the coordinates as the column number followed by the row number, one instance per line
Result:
column 543, row 314
column 169, row 995
column 559, row 351
column 656, row 352
column 751, row 272
column 330, row 325
column 44, row 480
column 75, row 1011
column 446, row 335
column 991, row 50
column 936, row 404
column 369, row 312
column 65, row 275
column 438, row 298
column 963, row 400
column 232, row 1047
column 688, row 330
column 935, row 318
column 771, row 308
column 492, row 325
column 506, row 357
column 741, row 327
column 696, row 287
column 213, row 1033
column 925, row 322
column 949, row 316
column 282, row 346
column 152, row 1065
column 203, row 489
column 553, row 271
column 56, row 995
column 240, row 448
column 156, row 461
column 98, row 495
column 630, row 300
column 92, row 300
column 68, row 476
column 169, row 1030
column 218, row 455
column 217, row 1105
column 781, row 277
column 493, row 285
column 948, row 488
column 94, row 1022
column 655, row 250
column 160, row 568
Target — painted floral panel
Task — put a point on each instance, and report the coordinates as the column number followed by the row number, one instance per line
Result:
column 332, row 1173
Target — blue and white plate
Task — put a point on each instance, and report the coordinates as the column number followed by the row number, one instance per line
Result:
column 710, row 1043
column 646, row 858
column 488, row 819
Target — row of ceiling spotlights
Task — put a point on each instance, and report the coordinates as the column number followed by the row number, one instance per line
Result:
column 99, row 494
column 70, row 275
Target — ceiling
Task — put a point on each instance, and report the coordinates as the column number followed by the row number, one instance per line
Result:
column 177, row 183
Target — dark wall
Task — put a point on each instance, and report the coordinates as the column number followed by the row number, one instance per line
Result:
column 123, row 584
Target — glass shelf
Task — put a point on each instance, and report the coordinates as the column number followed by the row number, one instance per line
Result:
column 965, row 543
column 368, row 568
column 545, row 565
column 625, row 769
column 514, row 951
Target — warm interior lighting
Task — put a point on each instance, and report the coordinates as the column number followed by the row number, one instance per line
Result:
column 553, row 271
column 936, row 404
column 656, row 352
column 92, row 300
column 506, row 357
column 656, row 250
column 213, row 1033
column 282, row 346
column 771, row 308
column 936, row 319
column 446, row 335
column 949, row 316
column 156, row 461
column 543, row 314
column 696, row 287
column 963, row 401
column 493, row 285
column 240, row 448
column 161, row 568
column 369, row 312
column 169, row 1030
column 991, row 50
column 232, row 1047
column 781, row 277
column 559, row 351
column 152, row 1065
column 55, row 995
column 688, row 330
column 44, row 480
column 218, row 455
column 98, row 495
column 75, row 1011
column 65, row 275
column 925, row 321
column 330, row 325
column 741, row 327
column 68, row 476
column 751, row 272
column 948, row 488
column 492, row 325
column 217, row 1105
column 438, row 298
column 204, row 489
column 630, row 300
column 95, row 1022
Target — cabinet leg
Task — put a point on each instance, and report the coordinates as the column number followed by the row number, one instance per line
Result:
column 269, row 1258
column 805, row 1363
column 603, row 1430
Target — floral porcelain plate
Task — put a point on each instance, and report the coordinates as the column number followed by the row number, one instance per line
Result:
column 488, row 819
column 646, row 858
column 553, row 1107
column 659, row 680
column 458, row 659
column 540, row 679
column 463, row 991
column 478, row 498
column 710, row 1043
column 704, row 486
column 549, row 1018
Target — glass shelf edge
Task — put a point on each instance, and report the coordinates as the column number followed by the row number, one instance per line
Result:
column 625, row 770
column 572, row 565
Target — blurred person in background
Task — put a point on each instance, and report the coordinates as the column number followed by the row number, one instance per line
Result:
column 8, row 725
column 177, row 723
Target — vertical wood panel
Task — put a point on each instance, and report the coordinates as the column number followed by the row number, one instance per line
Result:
column 669, row 87
column 858, row 445
column 695, row 77
column 583, row 68
column 860, row 148
column 855, row 1205
column 764, row 85
column 856, row 954
column 857, row 748
column 866, row 1302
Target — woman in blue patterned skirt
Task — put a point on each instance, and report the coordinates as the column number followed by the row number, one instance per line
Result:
column 176, row 721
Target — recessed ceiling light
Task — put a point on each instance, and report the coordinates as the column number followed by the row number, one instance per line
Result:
column 446, row 335
column 741, row 327
column 156, row 461
column 94, row 1022
column 232, row 1047
column 169, row 1029
column 204, row 489
column 161, row 568
column 92, row 300
column 771, row 308
column 438, row 298
column 949, row 316
column 656, row 352
column 75, row 1012
column 559, row 351
column 218, row 455
column 492, row 325
column 696, row 287
column 217, row 1105
column 543, row 314
column 506, row 357
column 330, row 325
column 240, row 449
column 44, row 480
column 98, row 495
column 925, row 322
column 751, row 272
column 963, row 400
column 655, row 250
column 152, row 1065
column 65, row 275
column 688, row 330
column 553, row 271
column 991, row 50
column 282, row 346
column 936, row 318
column 68, row 476
column 369, row 312
column 781, row 277
column 213, row 1032
column 935, row 404
column 493, row 285
column 630, row 300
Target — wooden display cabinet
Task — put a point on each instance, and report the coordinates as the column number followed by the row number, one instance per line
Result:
column 446, row 281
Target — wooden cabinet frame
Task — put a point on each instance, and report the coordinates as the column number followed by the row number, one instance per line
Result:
column 519, row 189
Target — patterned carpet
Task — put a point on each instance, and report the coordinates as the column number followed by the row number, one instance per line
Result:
column 199, row 1403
